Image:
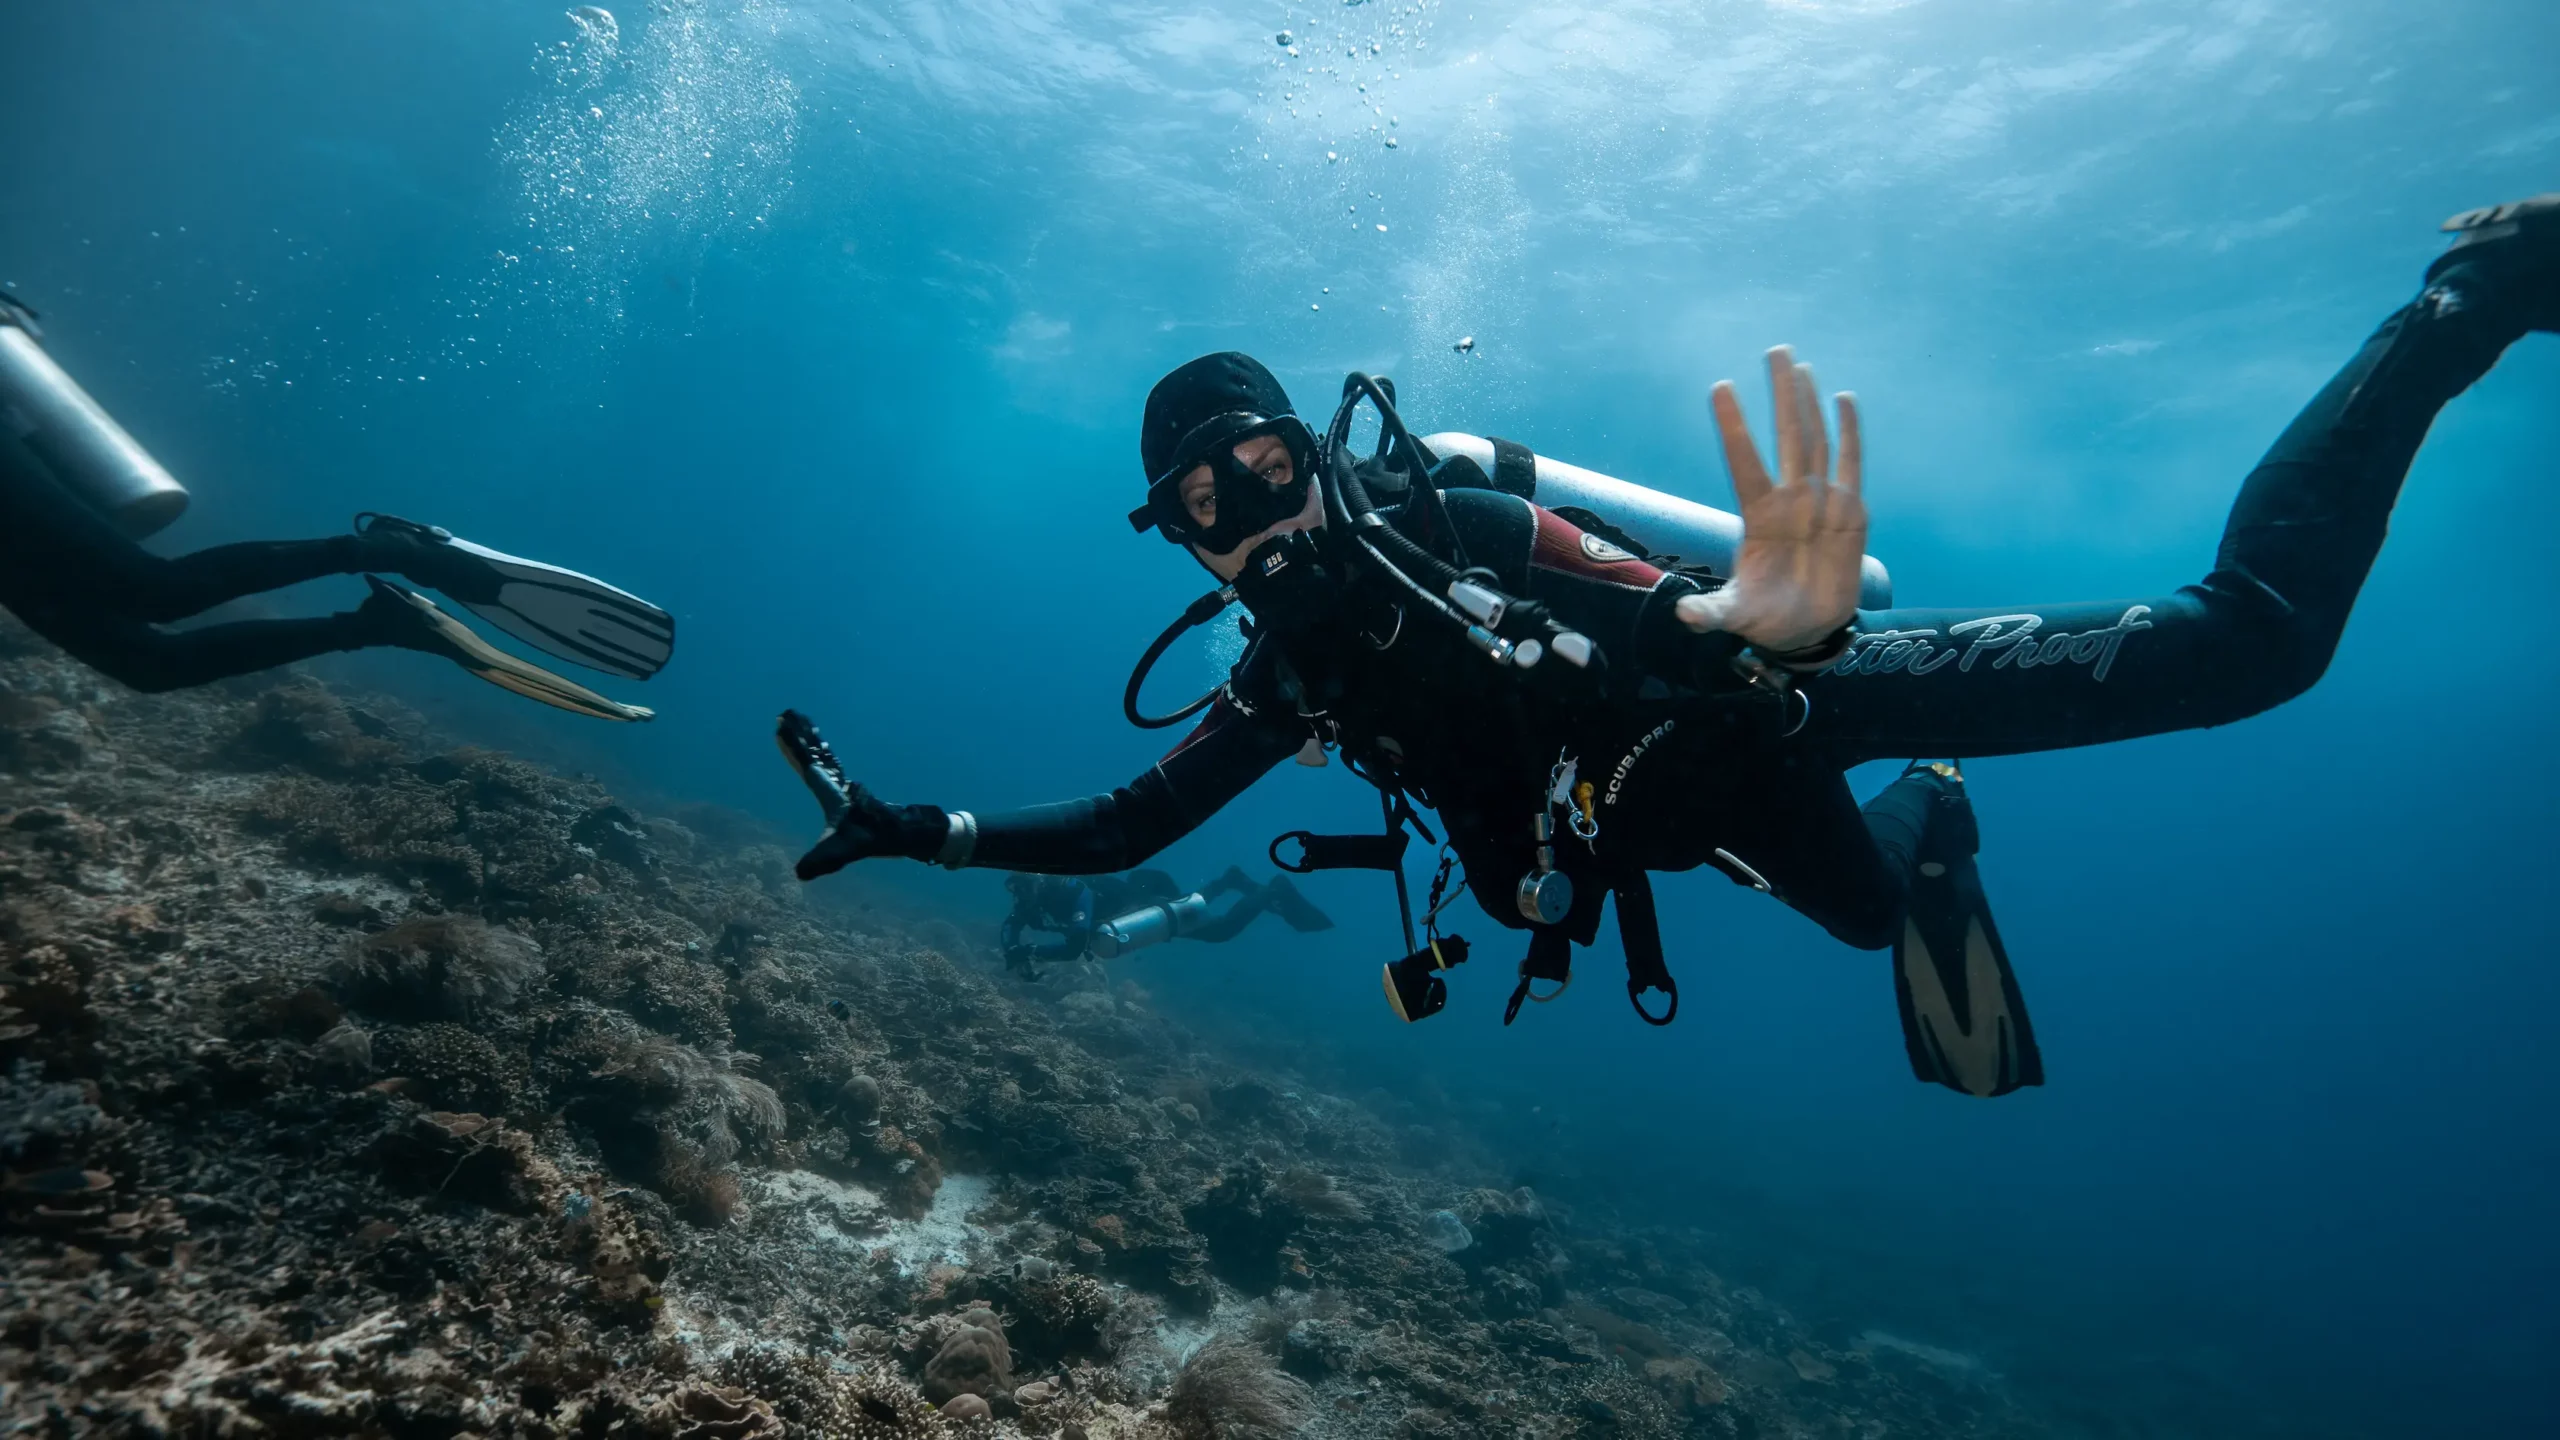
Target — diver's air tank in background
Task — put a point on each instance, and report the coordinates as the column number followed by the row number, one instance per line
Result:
column 1663, row 524
column 1153, row 925
column 47, row 419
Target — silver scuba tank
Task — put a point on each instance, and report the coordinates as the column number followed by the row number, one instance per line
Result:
column 1153, row 925
column 73, row 439
column 1664, row 524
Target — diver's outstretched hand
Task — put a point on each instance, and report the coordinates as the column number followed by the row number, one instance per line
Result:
column 1804, row 535
column 860, row 825
column 868, row 829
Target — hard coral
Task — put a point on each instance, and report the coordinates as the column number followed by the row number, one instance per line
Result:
column 974, row 1361
column 1230, row 1390
column 302, row 724
column 450, row 1065
column 710, row 1412
column 819, row 1402
column 399, row 827
column 1314, row 1195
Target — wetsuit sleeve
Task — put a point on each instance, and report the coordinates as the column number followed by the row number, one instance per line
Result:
column 1621, row 602
column 2256, row 631
column 1231, row 748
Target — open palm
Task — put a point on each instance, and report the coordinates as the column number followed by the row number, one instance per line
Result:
column 1795, row 582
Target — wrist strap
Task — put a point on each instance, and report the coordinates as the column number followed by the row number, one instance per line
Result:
column 1814, row 656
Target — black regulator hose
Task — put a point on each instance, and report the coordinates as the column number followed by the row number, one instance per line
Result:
column 1198, row 613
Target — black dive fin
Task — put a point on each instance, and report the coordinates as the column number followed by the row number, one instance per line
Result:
column 1962, row 1017
column 1295, row 909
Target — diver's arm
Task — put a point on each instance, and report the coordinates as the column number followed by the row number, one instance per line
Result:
column 1626, row 605
column 2257, row 630
column 1804, row 535
column 1093, row 836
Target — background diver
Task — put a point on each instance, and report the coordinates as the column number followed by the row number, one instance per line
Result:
column 1715, row 721
column 1106, row 916
column 76, row 492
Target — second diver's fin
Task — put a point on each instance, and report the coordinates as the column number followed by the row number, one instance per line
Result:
column 1963, row 1020
column 815, row 763
column 429, row 629
column 576, row 617
column 1295, row 909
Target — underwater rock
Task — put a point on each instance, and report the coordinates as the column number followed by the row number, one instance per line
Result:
column 967, row 1407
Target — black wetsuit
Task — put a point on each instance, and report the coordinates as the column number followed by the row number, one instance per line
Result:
column 80, row 583
column 1691, row 761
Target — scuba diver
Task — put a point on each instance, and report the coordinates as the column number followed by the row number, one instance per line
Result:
column 77, row 493
column 1502, row 644
column 1107, row 916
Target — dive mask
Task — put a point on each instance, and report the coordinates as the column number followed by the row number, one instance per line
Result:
column 1248, row 504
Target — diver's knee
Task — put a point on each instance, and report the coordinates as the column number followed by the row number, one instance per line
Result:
column 1869, row 925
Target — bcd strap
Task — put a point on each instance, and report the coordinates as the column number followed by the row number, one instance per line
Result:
column 1640, row 932
column 1550, row 958
column 1342, row 852
column 1515, row 468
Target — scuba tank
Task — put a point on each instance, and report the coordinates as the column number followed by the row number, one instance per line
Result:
column 68, row 437
column 1153, row 925
column 1666, row 525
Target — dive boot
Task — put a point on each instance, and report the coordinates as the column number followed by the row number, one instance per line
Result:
column 2504, row 259
column 576, row 617
column 403, row 617
column 1963, row 1021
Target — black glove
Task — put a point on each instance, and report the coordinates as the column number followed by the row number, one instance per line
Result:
column 871, row 828
column 860, row 825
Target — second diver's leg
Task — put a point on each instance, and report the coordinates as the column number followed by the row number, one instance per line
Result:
column 2257, row 631
column 68, row 550
column 153, row 660
column 1218, row 929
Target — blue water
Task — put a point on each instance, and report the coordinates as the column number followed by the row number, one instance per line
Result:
column 827, row 324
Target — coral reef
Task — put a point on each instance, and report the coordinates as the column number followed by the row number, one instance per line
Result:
column 1230, row 1390
column 353, row 1082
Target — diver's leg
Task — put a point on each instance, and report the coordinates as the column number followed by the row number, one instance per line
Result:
column 77, row 558
column 154, row 661
column 1800, row 830
column 2255, row 632
column 1218, row 929
column 1234, row 882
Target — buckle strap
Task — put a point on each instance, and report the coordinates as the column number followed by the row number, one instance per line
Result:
column 1550, row 958
column 1515, row 468
column 1342, row 852
column 1640, row 932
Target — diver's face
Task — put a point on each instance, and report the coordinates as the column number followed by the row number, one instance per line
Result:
column 1266, row 456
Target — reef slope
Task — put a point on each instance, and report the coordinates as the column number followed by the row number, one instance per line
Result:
column 354, row 1082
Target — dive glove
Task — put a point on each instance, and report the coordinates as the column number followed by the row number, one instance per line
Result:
column 860, row 825
column 870, row 828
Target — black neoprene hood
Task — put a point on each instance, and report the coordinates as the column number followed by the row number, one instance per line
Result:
column 1199, row 392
